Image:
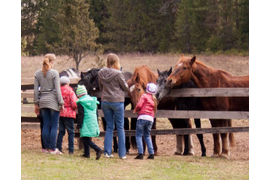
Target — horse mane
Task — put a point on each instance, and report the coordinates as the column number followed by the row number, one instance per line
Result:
column 220, row 71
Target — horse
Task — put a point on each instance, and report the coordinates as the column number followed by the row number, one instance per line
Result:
column 90, row 80
column 188, row 103
column 71, row 73
column 188, row 68
column 137, row 83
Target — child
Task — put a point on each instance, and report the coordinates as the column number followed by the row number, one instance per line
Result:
column 146, row 107
column 67, row 115
column 87, row 121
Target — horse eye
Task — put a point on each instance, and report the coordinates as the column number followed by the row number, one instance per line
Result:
column 139, row 89
column 184, row 68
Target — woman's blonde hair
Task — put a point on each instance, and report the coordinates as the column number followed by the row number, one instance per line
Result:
column 46, row 65
column 50, row 56
column 113, row 61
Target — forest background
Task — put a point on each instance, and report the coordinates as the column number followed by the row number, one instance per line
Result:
column 78, row 28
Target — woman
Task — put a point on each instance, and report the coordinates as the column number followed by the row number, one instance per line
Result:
column 112, row 84
column 50, row 102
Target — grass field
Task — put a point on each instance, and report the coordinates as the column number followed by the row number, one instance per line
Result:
column 36, row 165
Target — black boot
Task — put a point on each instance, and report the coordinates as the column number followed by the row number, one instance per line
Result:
column 151, row 156
column 98, row 153
column 139, row 156
column 86, row 156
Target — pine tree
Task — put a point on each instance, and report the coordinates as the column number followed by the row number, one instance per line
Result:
column 77, row 33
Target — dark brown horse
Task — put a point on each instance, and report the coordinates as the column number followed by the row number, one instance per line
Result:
column 137, row 83
column 181, row 103
column 188, row 68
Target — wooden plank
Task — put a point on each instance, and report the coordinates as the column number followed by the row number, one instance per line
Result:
column 28, row 83
column 191, row 114
column 185, row 92
column 31, row 80
column 29, row 119
column 179, row 131
column 177, row 114
column 210, row 92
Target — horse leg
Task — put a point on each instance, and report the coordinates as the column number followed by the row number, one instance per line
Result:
column 225, row 143
column 133, row 138
column 179, row 149
column 179, row 145
column 126, row 127
column 200, row 137
column 154, row 139
column 216, row 137
column 189, row 147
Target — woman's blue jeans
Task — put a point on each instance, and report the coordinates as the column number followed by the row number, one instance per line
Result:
column 50, row 127
column 143, row 128
column 114, row 112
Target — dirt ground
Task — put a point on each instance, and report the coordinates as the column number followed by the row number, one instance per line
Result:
column 30, row 140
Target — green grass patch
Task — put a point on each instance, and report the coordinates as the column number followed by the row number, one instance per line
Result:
column 36, row 165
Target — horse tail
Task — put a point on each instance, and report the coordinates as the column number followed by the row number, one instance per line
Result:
column 231, row 135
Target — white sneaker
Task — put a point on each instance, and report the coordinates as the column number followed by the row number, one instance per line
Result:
column 124, row 157
column 56, row 151
column 108, row 156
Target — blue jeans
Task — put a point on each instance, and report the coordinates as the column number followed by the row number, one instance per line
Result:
column 143, row 128
column 114, row 112
column 50, row 127
column 66, row 123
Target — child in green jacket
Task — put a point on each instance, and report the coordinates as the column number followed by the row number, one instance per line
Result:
column 87, row 121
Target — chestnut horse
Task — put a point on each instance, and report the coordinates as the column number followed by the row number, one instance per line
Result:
column 188, row 68
column 137, row 83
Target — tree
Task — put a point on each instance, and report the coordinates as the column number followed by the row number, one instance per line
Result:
column 77, row 33
column 29, row 16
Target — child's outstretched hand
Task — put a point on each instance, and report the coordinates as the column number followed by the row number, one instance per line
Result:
column 134, row 111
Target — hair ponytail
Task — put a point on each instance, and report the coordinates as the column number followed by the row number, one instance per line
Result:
column 46, row 66
column 155, row 102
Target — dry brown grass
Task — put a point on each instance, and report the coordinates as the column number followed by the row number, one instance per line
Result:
column 237, row 65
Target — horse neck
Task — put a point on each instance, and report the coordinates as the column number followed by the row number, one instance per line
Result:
column 201, row 75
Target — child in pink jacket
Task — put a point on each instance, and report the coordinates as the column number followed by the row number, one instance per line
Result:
column 147, row 106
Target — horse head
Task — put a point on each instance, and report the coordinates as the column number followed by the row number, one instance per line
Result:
column 162, row 89
column 137, row 83
column 90, row 80
column 182, row 71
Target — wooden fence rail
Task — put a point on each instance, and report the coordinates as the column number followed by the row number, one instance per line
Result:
column 31, row 122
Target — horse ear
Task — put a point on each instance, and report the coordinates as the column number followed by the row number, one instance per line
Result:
column 158, row 72
column 82, row 75
column 170, row 71
column 192, row 60
column 137, row 79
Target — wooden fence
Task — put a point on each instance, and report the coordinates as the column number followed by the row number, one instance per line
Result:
column 31, row 122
